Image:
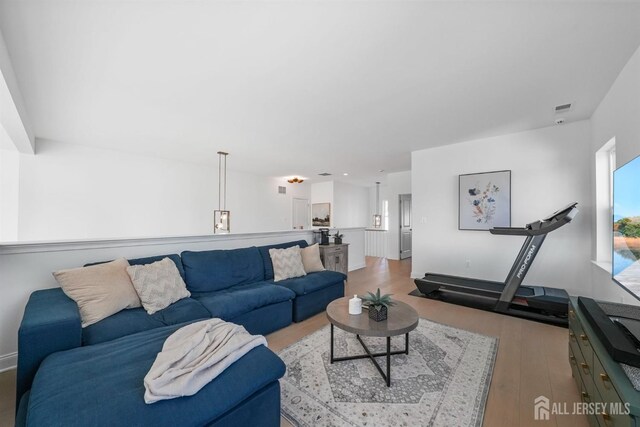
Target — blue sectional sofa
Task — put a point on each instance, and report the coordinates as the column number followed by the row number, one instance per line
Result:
column 92, row 376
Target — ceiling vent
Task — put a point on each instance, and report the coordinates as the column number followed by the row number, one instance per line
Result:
column 282, row 190
column 563, row 108
column 324, row 174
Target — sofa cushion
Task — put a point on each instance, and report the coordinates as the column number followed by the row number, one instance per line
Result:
column 266, row 258
column 148, row 260
column 210, row 271
column 313, row 282
column 102, row 385
column 241, row 299
column 129, row 322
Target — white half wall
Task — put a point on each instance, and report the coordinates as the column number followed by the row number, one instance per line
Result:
column 549, row 168
column 27, row 267
column 76, row 192
column 618, row 115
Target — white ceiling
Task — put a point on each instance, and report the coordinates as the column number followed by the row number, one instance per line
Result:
column 302, row 87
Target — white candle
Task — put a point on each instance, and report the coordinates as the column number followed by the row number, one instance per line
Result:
column 355, row 305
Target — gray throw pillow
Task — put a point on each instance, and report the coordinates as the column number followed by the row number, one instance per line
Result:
column 287, row 263
column 158, row 284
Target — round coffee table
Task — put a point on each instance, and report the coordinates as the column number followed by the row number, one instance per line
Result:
column 401, row 319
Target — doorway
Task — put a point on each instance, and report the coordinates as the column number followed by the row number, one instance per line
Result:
column 405, row 226
column 300, row 214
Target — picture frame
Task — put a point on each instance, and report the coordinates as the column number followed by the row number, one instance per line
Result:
column 484, row 200
column 321, row 214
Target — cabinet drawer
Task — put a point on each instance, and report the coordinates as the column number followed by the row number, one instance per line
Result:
column 588, row 397
column 607, row 394
column 578, row 337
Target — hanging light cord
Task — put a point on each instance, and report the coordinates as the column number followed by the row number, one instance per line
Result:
column 219, row 180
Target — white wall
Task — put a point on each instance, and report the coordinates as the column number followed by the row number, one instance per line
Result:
column 349, row 202
column 69, row 191
column 350, row 205
column 397, row 183
column 322, row 192
column 9, row 173
column 618, row 115
column 550, row 168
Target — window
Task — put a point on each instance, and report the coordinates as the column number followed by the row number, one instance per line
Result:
column 605, row 165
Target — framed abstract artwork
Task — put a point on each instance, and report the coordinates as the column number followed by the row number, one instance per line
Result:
column 484, row 200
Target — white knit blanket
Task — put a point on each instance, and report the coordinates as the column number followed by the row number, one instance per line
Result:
column 194, row 355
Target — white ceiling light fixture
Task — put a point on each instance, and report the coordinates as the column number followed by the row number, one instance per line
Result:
column 221, row 216
column 345, row 174
column 377, row 218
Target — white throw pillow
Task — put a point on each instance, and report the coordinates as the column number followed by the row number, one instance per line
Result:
column 287, row 263
column 311, row 258
column 158, row 284
column 99, row 290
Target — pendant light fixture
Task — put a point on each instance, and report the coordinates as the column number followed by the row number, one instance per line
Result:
column 221, row 216
column 377, row 218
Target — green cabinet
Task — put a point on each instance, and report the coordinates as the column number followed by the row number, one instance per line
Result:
column 599, row 378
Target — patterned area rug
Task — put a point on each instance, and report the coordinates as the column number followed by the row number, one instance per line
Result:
column 443, row 381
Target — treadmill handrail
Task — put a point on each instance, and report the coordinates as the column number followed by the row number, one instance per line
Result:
column 511, row 231
column 537, row 228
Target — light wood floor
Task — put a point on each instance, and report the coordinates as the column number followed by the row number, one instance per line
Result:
column 532, row 357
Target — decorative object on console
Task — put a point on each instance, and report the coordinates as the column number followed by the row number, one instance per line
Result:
column 311, row 258
column 377, row 218
column 221, row 216
column 378, row 305
column 295, row 180
column 324, row 236
column 484, row 200
column 321, row 214
column 158, row 284
column 99, row 290
column 337, row 238
column 287, row 263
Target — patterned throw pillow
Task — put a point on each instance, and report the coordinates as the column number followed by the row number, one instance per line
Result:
column 287, row 263
column 158, row 284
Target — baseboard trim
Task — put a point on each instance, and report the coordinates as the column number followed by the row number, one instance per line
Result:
column 358, row 267
column 8, row 361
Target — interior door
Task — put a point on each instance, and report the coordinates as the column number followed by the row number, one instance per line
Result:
column 405, row 226
column 300, row 214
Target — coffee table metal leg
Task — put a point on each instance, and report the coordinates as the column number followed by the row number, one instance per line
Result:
column 406, row 343
column 388, row 362
column 331, row 360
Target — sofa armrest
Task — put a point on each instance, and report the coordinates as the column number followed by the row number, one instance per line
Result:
column 51, row 323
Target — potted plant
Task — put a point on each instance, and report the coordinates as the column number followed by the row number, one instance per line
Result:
column 337, row 238
column 378, row 305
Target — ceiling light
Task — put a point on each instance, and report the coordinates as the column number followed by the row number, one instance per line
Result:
column 295, row 180
column 345, row 174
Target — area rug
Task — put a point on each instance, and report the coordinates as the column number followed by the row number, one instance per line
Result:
column 443, row 381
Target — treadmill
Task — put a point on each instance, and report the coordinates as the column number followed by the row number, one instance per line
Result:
column 549, row 305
